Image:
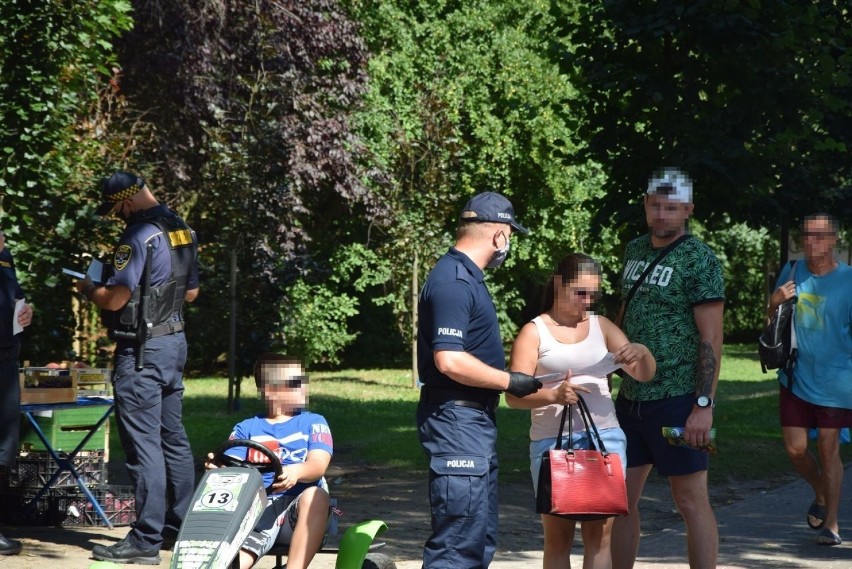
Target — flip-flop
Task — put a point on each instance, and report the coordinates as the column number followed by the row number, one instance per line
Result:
column 828, row 537
column 816, row 512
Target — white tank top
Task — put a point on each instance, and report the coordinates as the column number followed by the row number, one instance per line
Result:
column 556, row 356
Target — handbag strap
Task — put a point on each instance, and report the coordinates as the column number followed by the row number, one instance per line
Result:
column 587, row 418
column 562, row 427
column 619, row 319
column 588, row 423
column 571, row 426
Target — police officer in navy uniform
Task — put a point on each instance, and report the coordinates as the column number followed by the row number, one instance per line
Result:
column 10, row 387
column 461, row 364
column 154, row 271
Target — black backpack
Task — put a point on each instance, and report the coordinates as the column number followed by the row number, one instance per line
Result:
column 775, row 345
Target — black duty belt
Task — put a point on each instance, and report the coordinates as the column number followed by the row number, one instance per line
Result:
column 165, row 329
column 461, row 398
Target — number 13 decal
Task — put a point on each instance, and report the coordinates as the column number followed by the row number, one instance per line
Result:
column 217, row 498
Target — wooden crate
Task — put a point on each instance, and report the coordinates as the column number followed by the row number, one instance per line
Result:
column 47, row 385
column 65, row 428
column 92, row 381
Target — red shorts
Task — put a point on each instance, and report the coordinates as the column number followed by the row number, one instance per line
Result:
column 796, row 412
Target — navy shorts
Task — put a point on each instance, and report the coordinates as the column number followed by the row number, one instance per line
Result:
column 643, row 421
column 796, row 412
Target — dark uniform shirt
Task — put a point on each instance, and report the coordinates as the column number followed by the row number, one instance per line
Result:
column 456, row 314
column 10, row 291
column 128, row 261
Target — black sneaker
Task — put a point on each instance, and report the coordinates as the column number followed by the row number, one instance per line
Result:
column 125, row 552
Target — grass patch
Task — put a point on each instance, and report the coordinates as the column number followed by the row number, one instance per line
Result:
column 372, row 418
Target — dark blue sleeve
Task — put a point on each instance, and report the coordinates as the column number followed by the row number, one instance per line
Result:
column 7, row 265
column 451, row 305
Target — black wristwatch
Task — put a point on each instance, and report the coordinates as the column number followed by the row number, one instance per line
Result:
column 704, row 401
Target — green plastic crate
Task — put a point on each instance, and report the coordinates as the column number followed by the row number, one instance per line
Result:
column 66, row 428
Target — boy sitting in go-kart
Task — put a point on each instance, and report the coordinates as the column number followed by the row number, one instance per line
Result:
column 297, row 510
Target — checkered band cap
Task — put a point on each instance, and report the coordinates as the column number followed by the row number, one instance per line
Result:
column 116, row 188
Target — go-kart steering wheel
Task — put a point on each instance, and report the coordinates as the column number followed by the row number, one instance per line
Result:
column 274, row 465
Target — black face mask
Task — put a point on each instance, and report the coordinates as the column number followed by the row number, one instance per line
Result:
column 119, row 213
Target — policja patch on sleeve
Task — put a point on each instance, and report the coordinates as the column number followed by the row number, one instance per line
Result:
column 122, row 256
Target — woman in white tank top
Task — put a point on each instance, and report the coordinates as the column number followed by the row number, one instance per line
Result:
column 566, row 337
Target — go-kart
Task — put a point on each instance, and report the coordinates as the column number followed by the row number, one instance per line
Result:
column 229, row 501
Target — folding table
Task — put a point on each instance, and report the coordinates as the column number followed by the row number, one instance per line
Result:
column 67, row 463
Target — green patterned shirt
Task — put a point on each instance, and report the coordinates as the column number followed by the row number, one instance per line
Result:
column 660, row 315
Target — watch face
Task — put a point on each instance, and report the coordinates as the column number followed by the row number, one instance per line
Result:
column 703, row 401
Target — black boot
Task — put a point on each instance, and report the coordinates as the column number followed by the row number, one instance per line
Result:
column 9, row 546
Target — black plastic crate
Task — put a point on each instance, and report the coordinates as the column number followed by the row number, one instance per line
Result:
column 19, row 509
column 68, row 507
column 118, row 504
column 35, row 469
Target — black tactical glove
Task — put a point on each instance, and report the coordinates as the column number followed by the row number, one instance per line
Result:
column 521, row 384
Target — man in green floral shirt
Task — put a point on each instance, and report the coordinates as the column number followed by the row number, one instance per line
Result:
column 677, row 313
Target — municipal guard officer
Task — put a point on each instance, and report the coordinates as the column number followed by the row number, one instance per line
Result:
column 154, row 270
column 461, row 364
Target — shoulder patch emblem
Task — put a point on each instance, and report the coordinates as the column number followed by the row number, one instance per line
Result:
column 122, row 256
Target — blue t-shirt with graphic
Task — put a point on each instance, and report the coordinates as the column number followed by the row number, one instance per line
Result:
column 823, row 321
column 290, row 440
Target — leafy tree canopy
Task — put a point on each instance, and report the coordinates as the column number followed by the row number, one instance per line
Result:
column 246, row 109
column 55, row 107
column 464, row 99
column 753, row 98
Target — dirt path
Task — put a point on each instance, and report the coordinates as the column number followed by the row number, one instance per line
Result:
column 399, row 499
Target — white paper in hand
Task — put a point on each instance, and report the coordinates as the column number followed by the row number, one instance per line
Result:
column 600, row 369
column 96, row 272
column 16, row 326
column 550, row 377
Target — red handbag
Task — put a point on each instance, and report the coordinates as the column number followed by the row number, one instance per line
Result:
column 581, row 484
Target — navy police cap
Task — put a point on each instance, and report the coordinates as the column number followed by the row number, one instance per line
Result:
column 493, row 208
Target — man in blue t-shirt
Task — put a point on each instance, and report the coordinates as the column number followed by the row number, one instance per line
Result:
column 461, row 365
column 820, row 392
column 298, row 506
